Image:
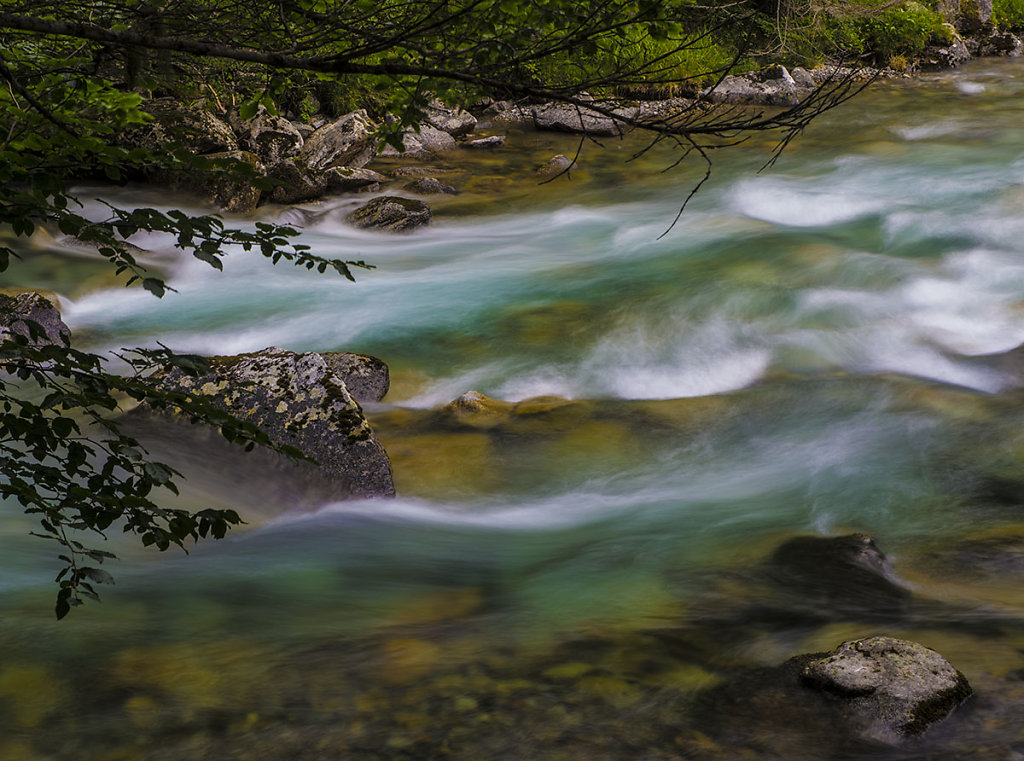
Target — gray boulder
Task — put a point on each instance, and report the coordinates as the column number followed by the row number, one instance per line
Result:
column 348, row 141
column 391, row 214
column 16, row 311
column 430, row 186
column 566, row 117
column 189, row 126
column 773, row 86
column 298, row 182
column 485, row 143
column 425, row 144
column 272, row 138
column 455, row 121
column 345, row 179
column 300, row 401
column 888, row 689
column 366, row 377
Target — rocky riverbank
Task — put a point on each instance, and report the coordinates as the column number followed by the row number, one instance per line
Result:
column 286, row 161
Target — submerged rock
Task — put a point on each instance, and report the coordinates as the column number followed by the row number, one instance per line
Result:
column 18, row 310
column 391, row 213
column 887, row 689
column 299, row 400
column 845, row 574
column 555, row 165
column 430, row 186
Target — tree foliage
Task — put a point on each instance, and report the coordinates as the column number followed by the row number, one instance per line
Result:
column 74, row 79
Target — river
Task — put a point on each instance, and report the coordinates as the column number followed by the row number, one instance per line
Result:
column 816, row 349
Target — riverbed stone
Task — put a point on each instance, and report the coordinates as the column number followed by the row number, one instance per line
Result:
column 427, row 143
column 391, row 214
column 457, row 122
column 847, row 575
column 888, row 689
column 947, row 56
column 567, row 117
column 347, row 141
column 17, row 310
column 298, row 400
column 485, row 143
column 345, row 179
column 430, row 186
column 554, row 166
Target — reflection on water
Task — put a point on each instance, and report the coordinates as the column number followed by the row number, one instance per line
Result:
column 812, row 351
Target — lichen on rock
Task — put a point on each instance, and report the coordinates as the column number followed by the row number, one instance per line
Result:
column 300, row 401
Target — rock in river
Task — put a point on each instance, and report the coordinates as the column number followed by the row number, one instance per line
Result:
column 299, row 400
column 888, row 689
column 391, row 213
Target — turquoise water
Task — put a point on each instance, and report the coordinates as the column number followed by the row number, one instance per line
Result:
column 809, row 351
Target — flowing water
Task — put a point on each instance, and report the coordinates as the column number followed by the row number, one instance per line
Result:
column 817, row 349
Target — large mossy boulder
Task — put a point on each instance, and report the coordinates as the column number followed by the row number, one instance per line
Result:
column 18, row 310
column 301, row 401
column 887, row 689
column 348, row 141
column 391, row 214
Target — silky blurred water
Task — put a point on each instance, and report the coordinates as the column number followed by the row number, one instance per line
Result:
column 804, row 352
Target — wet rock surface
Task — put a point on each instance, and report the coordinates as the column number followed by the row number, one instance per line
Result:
column 845, row 574
column 299, row 400
column 391, row 214
column 887, row 689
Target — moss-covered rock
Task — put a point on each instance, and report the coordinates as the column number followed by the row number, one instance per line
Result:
column 298, row 400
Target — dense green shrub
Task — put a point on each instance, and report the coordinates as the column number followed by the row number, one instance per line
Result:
column 1008, row 15
column 903, row 31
